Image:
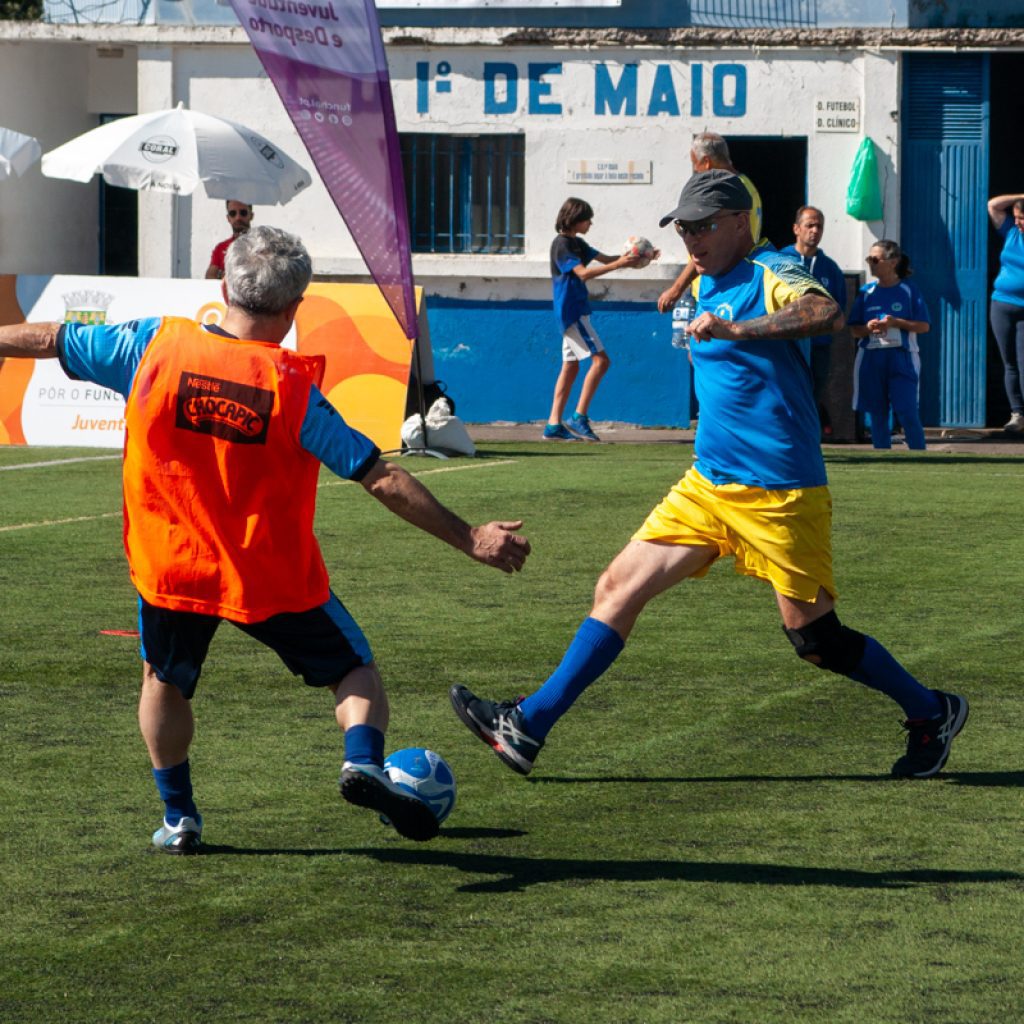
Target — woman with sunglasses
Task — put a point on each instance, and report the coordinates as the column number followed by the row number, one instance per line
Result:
column 887, row 316
column 1006, row 311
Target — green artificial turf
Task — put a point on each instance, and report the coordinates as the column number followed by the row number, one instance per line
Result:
column 711, row 835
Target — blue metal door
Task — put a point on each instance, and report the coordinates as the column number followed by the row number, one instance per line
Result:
column 944, row 187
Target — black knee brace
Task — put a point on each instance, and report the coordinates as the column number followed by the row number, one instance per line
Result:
column 833, row 645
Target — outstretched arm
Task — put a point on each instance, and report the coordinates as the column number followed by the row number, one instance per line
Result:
column 29, row 341
column 604, row 265
column 809, row 315
column 495, row 544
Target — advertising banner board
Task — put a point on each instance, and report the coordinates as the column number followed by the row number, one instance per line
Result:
column 367, row 353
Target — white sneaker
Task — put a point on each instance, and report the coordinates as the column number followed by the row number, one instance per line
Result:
column 1015, row 424
column 185, row 837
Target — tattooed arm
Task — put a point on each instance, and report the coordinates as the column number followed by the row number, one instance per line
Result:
column 809, row 315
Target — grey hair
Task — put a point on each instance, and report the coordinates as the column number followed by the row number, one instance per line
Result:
column 266, row 270
column 711, row 146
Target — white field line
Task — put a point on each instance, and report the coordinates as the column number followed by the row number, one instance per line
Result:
column 59, row 522
column 61, row 462
column 330, row 483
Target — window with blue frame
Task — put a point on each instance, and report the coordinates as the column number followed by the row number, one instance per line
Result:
column 465, row 193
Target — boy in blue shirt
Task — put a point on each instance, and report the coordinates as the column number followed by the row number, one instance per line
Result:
column 571, row 260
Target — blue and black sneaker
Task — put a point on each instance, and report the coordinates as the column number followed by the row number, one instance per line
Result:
column 556, row 432
column 500, row 726
column 183, row 838
column 366, row 785
column 580, row 425
column 929, row 739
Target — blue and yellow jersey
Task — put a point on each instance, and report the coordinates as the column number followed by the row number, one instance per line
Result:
column 758, row 422
column 756, row 210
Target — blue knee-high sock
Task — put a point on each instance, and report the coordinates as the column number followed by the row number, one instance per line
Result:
column 364, row 745
column 592, row 650
column 881, row 671
column 175, row 788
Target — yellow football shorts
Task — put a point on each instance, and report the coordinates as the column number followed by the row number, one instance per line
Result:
column 784, row 537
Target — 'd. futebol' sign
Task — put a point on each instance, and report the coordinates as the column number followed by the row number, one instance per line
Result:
column 837, row 114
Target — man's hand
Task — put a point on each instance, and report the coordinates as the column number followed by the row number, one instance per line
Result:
column 495, row 544
column 669, row 297
column 708, row 326
column 498, row 545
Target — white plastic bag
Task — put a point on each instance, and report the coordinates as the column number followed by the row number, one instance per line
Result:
column 445, row 432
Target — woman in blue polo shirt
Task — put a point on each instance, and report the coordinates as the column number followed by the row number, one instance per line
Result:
column 1006, row 311
column 887, row 316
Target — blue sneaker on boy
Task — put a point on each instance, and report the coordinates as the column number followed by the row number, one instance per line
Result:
column 581, row 425
column 556, row 432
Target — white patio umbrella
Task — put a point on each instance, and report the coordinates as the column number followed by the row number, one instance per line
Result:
column 175, row 150
column 17, row 152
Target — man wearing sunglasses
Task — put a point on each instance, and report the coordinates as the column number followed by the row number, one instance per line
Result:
column 710, row 152
column 240, row 219
column 757, row 491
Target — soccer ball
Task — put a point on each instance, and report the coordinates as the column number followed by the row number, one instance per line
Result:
column 426, row 774
column 637, row 246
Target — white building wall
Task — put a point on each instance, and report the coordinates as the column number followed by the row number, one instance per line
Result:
column 55, row 87
column 46, row 226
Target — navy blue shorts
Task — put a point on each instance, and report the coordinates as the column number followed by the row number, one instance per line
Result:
column 322, row 644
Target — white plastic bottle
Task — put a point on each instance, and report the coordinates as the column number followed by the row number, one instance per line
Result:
column 682, row 315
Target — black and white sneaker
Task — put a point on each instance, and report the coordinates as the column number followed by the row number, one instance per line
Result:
column 929, row 739
column 500, row 726
column 366, row 785
column 185, row 838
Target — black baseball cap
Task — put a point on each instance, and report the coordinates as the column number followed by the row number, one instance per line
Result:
column 706, row 194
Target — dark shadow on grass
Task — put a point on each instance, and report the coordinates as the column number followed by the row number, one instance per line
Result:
column 515, row 874
column 1008, row 780
column 225, row 849
column 482, row 833
column 857, row 458
column 697, row 779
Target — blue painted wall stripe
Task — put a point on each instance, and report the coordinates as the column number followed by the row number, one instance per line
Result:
column 500, row 361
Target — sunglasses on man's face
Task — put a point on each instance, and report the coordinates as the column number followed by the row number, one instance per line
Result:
column 239, row 213
column 701, row 227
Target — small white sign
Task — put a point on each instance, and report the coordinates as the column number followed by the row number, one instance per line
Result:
column 834, row 114
column 608, row 172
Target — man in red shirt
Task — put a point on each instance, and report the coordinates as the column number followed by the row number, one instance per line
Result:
column 240, row 219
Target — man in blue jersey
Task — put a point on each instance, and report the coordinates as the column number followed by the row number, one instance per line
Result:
column 757, row 491
column 808, row 227
column 710, row 152
column 217, row 418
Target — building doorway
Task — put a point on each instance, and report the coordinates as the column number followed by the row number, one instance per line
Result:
column 118, row 254
column 1004, row 175
column 778, row 167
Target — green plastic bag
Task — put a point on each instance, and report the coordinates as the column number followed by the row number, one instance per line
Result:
column 863, row 196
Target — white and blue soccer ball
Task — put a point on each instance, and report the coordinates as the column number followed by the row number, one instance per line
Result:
column 425, row 773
